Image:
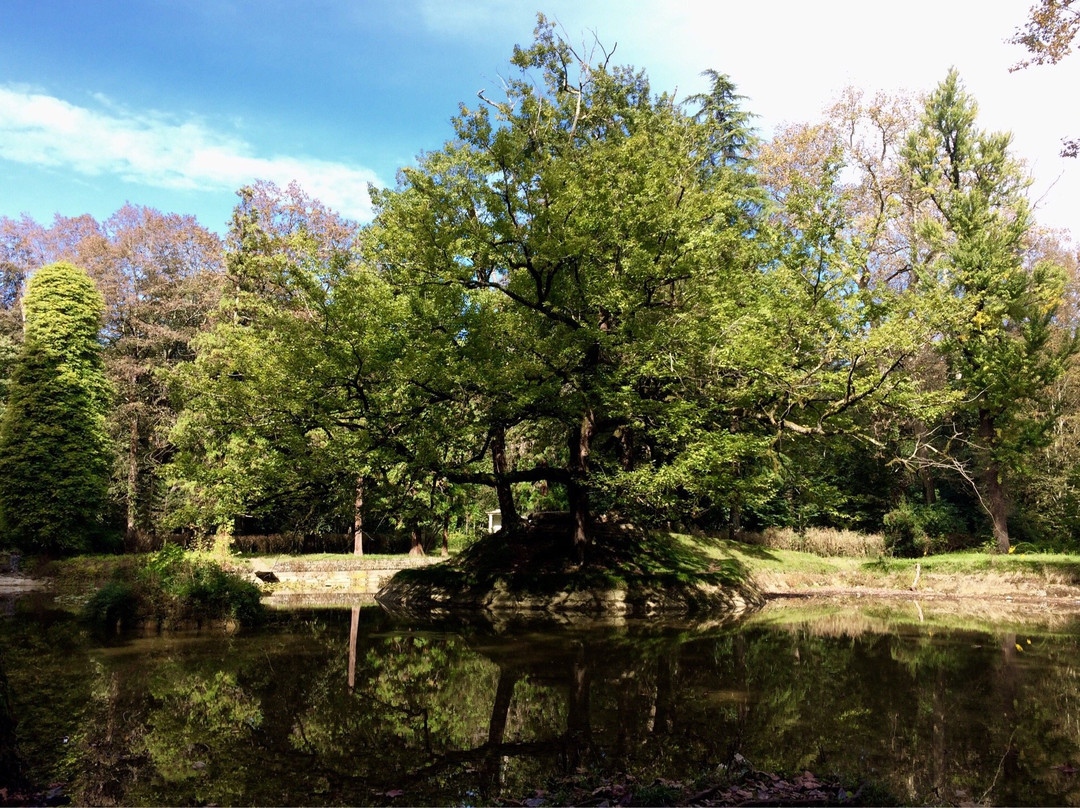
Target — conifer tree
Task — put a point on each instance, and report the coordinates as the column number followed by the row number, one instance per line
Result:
column 54, row 455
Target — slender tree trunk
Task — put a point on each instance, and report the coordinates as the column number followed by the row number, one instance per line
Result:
column 941, row 715
column 580, row 441
column 354, row 630
column 993, row 489
column 995, row 499
column 626, row 448
column 132, row 532
column 929, row 490
column 503, row 489
column 1007, row 685
column 358, row 518
column 500, row 710
column 735, row 521
column 926, row 476
column 666, row 693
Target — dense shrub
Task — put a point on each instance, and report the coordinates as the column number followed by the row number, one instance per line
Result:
column 904, row 536
column 916, row 530
column 171, row 586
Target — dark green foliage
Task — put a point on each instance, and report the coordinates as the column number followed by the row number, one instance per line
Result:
column 114, row 606
column 177, row 587
column 54, row 455
column 904, row 536
column 915, row 530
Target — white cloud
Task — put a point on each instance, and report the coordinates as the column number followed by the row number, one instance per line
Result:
column 472, row 18
column 153, row 149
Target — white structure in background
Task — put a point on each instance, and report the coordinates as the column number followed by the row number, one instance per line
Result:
column 494, row 520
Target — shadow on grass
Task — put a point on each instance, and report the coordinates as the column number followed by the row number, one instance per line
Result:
column 542, row 560
column 717, row 543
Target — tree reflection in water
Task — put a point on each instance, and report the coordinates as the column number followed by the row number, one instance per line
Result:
column 295, row 715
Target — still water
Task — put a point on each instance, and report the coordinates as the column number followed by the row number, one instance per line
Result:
column 347, row 707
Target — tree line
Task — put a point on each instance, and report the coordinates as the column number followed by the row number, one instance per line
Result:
column 592, row 298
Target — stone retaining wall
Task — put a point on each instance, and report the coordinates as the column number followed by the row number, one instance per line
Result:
column 359, row 575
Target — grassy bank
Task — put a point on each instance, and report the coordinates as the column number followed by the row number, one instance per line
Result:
column 969, row 574
column 769, row 562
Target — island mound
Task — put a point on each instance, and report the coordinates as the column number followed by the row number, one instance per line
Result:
column 532, row 571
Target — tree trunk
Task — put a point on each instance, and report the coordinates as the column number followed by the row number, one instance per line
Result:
column 503, row 489
column 578, row 721
column 358, row 518
column 929, row 490
column 580, row 440
column 500, row 711
column 663, row 708
column 132, row 531
column 354, row 630
column 417, row 544
column 998, row 506
column 994, row 499
column 926, row 477
column 626, row 448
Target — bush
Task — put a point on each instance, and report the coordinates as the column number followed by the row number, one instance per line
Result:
column 916, row 530
column 904, row 533
column 939, row 521
column 113, row 607
column 171, row 587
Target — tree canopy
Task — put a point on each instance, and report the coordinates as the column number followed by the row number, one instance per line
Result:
column 592, row 298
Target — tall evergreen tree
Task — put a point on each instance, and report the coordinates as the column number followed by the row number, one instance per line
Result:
column 54, row 450
column 995, row 313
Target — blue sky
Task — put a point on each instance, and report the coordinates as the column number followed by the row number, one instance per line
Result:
column 175, row 103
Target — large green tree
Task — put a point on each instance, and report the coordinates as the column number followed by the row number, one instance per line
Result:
column 564, row 244
column 54, row 450
column 994, row 310
column 285, row 405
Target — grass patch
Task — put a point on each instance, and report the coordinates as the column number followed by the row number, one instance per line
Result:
column 81, row 575
column 969, row 573
column 541, row 561
column 270, row 557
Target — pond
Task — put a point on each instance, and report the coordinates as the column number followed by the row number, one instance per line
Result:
column 344, row 706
